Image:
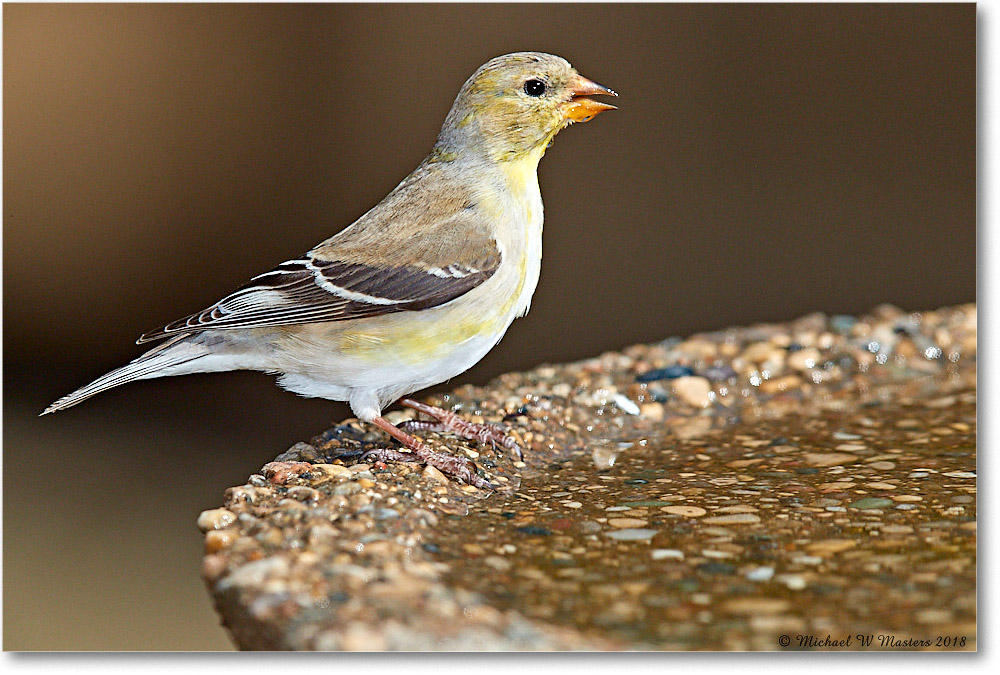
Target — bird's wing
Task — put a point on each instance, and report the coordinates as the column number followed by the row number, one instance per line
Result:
column 373, row 267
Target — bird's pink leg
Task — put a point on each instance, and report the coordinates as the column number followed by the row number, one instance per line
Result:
column 461, row 468
column 449, row 421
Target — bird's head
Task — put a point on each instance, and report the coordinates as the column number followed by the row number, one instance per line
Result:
column 514, row 105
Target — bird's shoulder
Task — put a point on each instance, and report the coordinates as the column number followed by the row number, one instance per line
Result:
column 432, row 219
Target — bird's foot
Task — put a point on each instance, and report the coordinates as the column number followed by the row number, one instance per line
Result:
column 487, row 434
column 389, row 455
column 459, row 467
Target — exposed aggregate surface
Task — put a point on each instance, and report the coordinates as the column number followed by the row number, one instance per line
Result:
column 809, row 482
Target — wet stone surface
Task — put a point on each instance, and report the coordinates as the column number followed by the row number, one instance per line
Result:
column 806, row 479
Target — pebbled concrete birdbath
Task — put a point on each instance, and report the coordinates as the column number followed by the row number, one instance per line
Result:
column 753, row 488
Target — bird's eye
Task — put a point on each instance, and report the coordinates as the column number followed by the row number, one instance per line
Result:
column 534, row 87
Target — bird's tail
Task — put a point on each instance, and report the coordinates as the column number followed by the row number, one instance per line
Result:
column 156, row 362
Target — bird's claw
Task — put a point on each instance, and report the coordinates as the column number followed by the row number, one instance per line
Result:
column 461, row 468
column 389, row 454
column 486, row 433
column 465, row 469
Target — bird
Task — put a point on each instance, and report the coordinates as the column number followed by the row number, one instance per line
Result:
column 418, row 289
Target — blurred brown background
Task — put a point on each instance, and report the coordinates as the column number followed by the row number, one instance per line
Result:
column 766, row 161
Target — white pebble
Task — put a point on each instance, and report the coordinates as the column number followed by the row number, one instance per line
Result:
column 626, row 405
column 667, row 554
column 760, row 574
column 793, row 582
column 807, row 560
column 631, row 534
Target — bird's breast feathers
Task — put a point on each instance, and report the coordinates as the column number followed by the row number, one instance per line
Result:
column 463, row 330
column 523, row 179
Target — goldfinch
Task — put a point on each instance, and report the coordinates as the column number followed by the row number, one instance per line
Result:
column 417, row 290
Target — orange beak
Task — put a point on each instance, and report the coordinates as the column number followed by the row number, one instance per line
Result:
column 582, row 109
